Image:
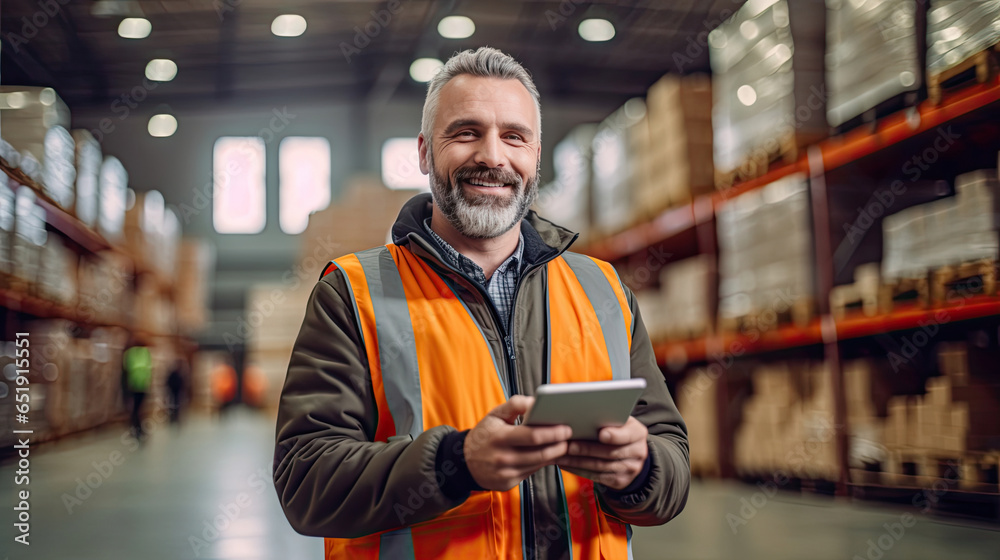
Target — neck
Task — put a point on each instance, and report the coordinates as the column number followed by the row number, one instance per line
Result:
column 487, row 253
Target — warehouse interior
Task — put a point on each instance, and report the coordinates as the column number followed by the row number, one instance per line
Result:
column 775, row 180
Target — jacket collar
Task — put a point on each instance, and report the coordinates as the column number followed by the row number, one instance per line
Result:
column 543, row 240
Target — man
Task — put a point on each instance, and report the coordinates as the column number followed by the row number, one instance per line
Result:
column 398, row 430
column 138, row 366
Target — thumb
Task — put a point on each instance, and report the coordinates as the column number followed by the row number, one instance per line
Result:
column 516, row 406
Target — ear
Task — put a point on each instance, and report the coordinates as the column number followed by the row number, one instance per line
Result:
column 422, row 147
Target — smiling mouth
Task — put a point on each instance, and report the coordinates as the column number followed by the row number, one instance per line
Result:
column 483, row 183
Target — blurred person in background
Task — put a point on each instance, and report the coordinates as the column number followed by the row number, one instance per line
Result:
column 224, row 385
column 398, row 431
column 254, row 386
column 138, row 365
column 175, row 388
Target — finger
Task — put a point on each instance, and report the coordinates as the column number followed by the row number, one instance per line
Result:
column 536, row 457
column 631, row 431
column 599, row 465
column 603, row 451
column 528, row 436
column 516, row 406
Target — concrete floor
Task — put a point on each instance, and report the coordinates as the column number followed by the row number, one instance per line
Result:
column 157, row 502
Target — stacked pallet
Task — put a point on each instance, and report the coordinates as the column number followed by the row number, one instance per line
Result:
column 961, row 36
column 866, row 393
column 57, row 272
column 104, row 283
column 952, row 426
column 195, row 265
column 787, row 426
column 29, row 238
column 650, row 304
column 7, row 209
column 620, row 147
column 950, row 240
column 678, row 163
column 567, row 200
column 697, row 405
column 680, row 308
column 88, row 170
column 873, row 55
column 768, row 86
column 687, row 302
column 34, row 122
column 766, row 257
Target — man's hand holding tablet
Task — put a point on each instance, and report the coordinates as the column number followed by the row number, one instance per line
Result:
column 608, row 445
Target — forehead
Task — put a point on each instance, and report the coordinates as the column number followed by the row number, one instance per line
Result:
column 490, row 100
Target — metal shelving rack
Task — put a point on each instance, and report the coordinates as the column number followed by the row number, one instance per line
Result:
column 871, row 153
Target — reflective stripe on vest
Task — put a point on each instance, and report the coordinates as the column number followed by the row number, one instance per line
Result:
column 431, row 365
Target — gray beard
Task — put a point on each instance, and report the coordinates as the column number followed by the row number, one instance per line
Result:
column 482, row 216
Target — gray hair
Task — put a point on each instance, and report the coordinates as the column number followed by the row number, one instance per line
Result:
column 484, row 62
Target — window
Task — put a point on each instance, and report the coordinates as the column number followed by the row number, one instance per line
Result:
column 401, row 165
column 304, row 182
column 238, row 203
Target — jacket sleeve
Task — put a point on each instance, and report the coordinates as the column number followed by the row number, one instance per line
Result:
column 666, row 490
column 332, row 479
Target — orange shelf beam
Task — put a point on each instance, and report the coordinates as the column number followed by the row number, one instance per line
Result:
column 16, row 300
column 631, row 241
column 858, row 143
column 722, row 346
column 61, row 220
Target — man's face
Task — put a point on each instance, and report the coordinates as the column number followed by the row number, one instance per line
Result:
column 484, row 154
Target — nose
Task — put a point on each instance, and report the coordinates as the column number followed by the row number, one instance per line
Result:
column 489, row 152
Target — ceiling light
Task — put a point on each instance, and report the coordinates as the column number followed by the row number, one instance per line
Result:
column 288, row 25
column 596, row 30
column 162, row 126
column 161, row 70
column 456, row 27
column 424, row 69
column 134, row 28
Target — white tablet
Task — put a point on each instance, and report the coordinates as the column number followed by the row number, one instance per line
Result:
column 585, row 407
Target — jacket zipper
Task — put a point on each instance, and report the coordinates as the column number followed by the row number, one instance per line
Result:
column 527, row 489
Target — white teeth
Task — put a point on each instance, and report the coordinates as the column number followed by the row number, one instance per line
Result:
column 481, row 183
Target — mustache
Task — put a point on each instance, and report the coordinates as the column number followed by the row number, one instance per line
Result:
column 492, row 174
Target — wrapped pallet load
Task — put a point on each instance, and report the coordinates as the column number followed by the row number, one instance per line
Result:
column 88, row 170
column 34, row 121
column 767, row 85
column 679, row 116
column 958, row 34
column 950, row 239
column 874, row 55
column 30, row 236
column 618, row 150
column 766, row 269
column 567, row 200
column 113, row 189
column 7, row 212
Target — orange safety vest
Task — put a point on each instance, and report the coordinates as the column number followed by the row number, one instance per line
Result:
column 431, row 365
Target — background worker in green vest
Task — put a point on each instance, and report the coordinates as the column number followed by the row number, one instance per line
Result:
column 398, row 433
column 138, row 364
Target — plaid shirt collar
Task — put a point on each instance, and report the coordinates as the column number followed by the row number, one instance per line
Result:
column 511, row 266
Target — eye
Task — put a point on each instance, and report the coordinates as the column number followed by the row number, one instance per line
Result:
column 515, row 137
column 465, row 133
